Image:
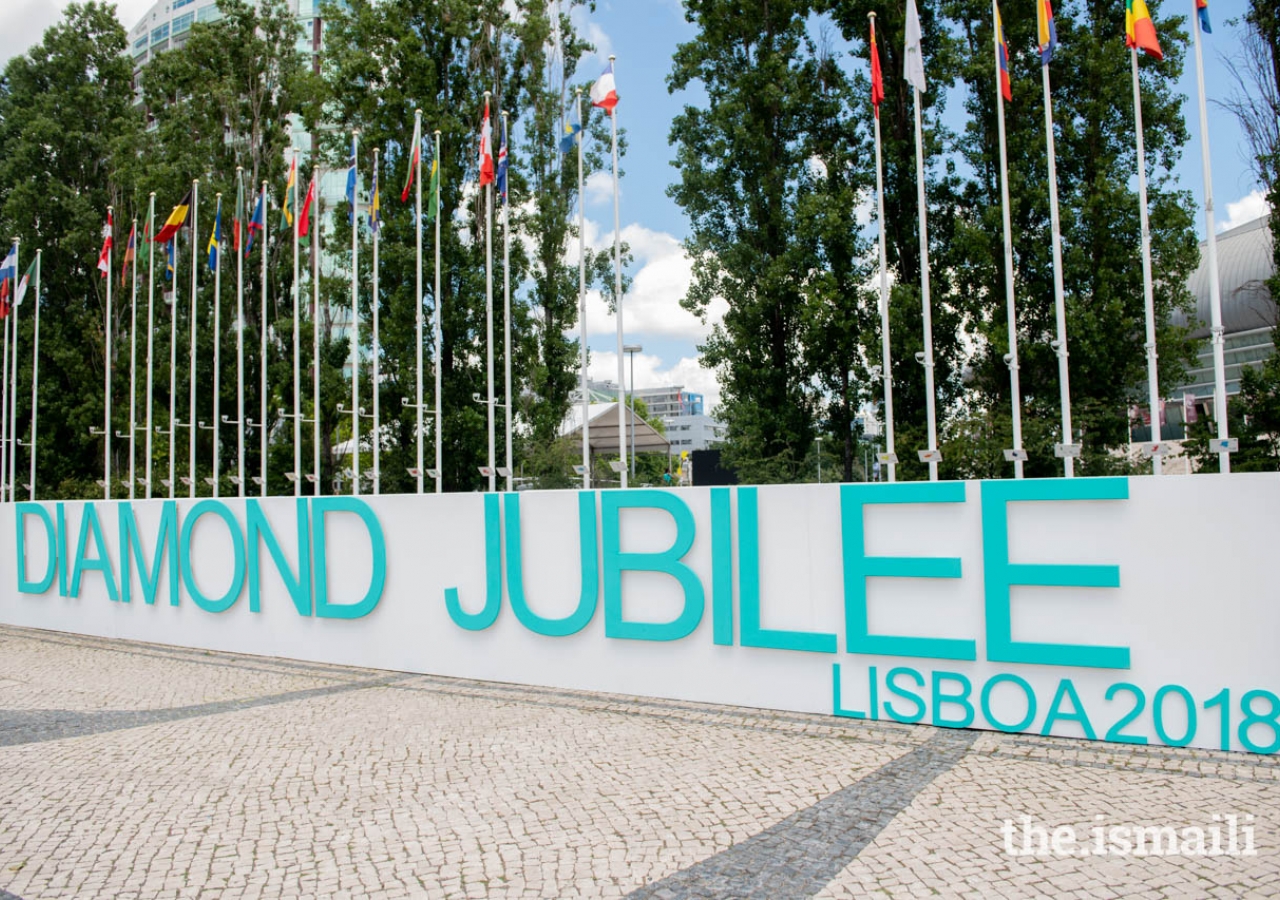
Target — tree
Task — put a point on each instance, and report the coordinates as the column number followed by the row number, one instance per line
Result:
column 66, row 125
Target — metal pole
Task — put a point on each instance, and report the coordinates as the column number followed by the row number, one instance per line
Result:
column 506, row 314
column 217, row 351
column 886, row 356
column 6, row 489
column 417, row 303
column 930, row 398
column 297, row 344
column 35, row 381
column 262, row 370
column 488, row 308
column 1211, row 240
column 133, row 369
column 617, row 281
column 1148, row 290
column 13, row 383
column 633, row 415
column 377, row 348
column 106, row 423
column 1009, row 299
column 315, row 335
column 355, row 334
column 195, row 268
column 151, row 338
column 438, row 336
column 240, row 422
column 173, row 374
column 582, row 308
column 1059, row 292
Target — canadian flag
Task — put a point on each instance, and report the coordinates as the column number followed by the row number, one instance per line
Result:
column 104, row 266
column 486, row 149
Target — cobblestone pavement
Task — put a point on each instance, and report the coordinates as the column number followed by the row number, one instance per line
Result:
column 139, row 771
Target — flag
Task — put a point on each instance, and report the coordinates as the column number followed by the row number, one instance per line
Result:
column 237, row 214
column 502, row 165
column 103, row 265
column 375, row 201
column 486, row 149
column 259, row 220
column 176, row 220
column 171, row 259
column 4, row 298
column 351, row 183
column 1006, row 88
column 128, row 254
column 304, row 217
column 913, row 54
column 1139, row 30
column 22, row 285
column 571, row 131
column 1046, row 30
column 604, row 93
column 9, row 268
column 1190, row 412
column 877, row 76
column 146, row 245
column 433, row 204
column 285, row 208
column 215, row 240
column 414, row 160
column 1202, row 7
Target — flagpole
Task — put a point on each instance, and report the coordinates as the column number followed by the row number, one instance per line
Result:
column 1211, row 240
column 506, row 306
column 262, row 369
column 195, row 268
column 377, row 347
column 488, row 307
column 926, row 309
column 315, row 334
column 438, row 333
column 133, row 367
column 417, row 302
column 35, row 381
column 239, row 239
column 106, row 419
column 13, row 383
column 1148, row 290
column 886, row 359
column 151, row 334
column 617, row 290
column 1010, row 300
column 582, row 306
column 173, row 369
column 217, row 349
column 1059, row 291
column 297, row 345
column 6, row 489
column 355, row 334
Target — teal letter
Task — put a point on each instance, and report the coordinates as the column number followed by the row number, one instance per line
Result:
column 63, row 568
column 493, row 576
column 837, row 707
column 960, row 699
column 131, row 549
column 905, row 694
column 259, row 532
column 324, row 609
column 858, row 567
column 668, row 562
column 721, row 568
column 1027, row 692
column 89, row 522
column 21, row 511
column 1001, row 575
column 227, row 600
column 578, row 619
column 1076, row 714
column 749, row 567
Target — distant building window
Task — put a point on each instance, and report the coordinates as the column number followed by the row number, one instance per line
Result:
column 208, row 14
column 178, row 4
column 183, row 22
column 160, row 33
column 140, row 44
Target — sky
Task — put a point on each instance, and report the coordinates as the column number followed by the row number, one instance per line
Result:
column 644, row 34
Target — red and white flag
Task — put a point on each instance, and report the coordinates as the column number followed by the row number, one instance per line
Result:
column 103, row 266
column 304, row 218
column 604, row 93
column 486, row 149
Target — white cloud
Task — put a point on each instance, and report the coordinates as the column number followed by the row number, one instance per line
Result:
column 590, row 63
column 599, row 187
column 661, row 275
column 1246, row 209
column 651, row 372
column 23, row 22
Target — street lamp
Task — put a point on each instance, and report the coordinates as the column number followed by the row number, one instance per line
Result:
column 632, row 350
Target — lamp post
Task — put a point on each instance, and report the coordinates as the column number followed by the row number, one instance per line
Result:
column 631, row 350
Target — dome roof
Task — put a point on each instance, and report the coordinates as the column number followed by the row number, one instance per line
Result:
column 1245, row 262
